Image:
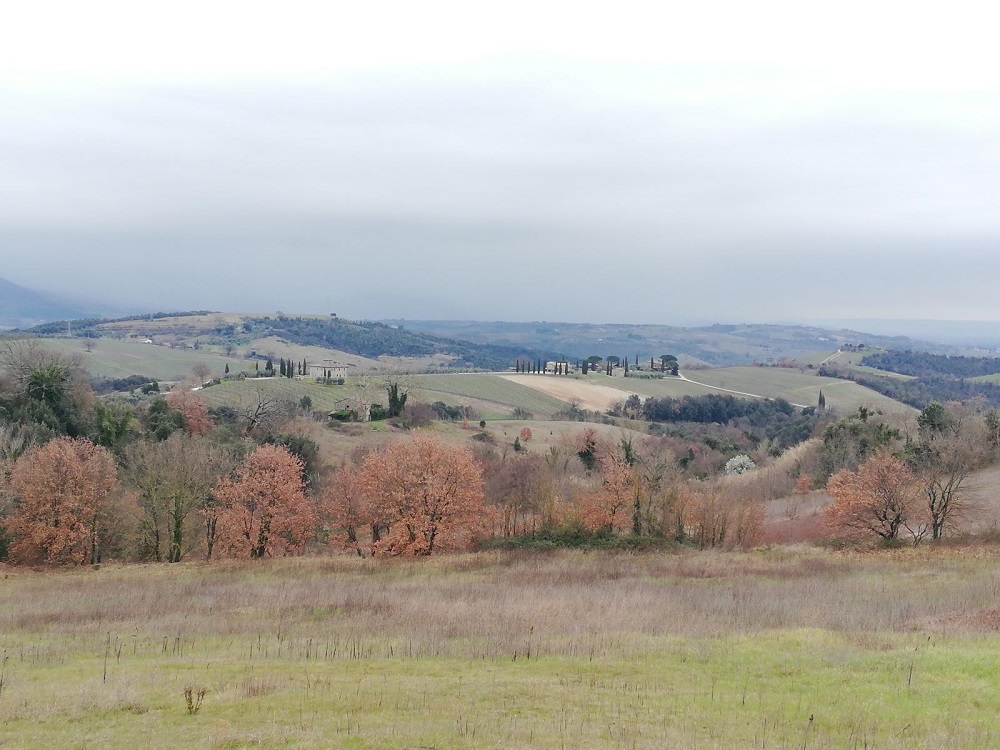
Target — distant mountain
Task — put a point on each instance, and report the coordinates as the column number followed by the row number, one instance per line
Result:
column 21, row 307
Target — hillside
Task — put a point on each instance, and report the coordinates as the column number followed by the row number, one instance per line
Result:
column 230, row 332
column 714, row 345
column 598, row 391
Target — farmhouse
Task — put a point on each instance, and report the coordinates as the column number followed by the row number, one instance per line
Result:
column 328, row 369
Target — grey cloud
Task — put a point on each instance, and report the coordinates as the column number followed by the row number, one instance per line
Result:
column 395, row 196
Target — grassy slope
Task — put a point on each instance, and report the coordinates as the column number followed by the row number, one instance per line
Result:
column 231, row 393
column 797, row 387
column 701, row 650
column 483, row 388
column 115, row 358
column 490, row 396
column 771, row 382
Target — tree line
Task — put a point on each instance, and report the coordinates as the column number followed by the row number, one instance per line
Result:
column 924, row 364
column 921, row 390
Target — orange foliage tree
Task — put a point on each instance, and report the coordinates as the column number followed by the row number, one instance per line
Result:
column 526, row 434
column 345, row 509
column 422, row 496
column 264, row 510
column 62, row 489
column 609, row 508
column 877, row 498
column 193, row 408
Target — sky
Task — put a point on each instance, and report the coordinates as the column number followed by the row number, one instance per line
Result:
column 628, row 162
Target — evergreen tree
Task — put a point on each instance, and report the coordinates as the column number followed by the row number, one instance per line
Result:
column 227, row 371
column 821, row 404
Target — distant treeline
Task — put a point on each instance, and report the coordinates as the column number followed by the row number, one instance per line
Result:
column 371, row 339
column 776, row 419
column 921, row 391
column 79, row 327
column 922, row 364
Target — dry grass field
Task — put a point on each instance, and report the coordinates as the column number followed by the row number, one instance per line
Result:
column 788, row 648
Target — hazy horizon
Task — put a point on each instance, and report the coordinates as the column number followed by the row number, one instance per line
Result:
column 717, row 163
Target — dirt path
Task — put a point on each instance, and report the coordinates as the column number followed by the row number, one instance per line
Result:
column 589, row 395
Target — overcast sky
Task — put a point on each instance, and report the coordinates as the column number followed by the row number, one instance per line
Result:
column 704, row 161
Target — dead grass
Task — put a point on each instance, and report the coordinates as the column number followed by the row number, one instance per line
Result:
column 694, row 649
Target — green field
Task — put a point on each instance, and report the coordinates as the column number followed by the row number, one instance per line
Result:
column 775, row 649
column 843, row 396
column 489, row 392
column 119, row 358
column 233, row 392
column 667, row 387
column 792, row 385
column 490, row 396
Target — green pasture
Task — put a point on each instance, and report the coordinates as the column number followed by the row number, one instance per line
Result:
column 495, row 395
column 236, row 392
column 797, row 387
column 119, row 358
column 769, row 382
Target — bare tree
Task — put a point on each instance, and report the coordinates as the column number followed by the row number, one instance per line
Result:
column 201, row 371
column 946, row 457
column 173, row 481
column 261, row 411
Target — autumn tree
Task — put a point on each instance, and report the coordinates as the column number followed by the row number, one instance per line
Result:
column 345, row 509
column 875, row 499
column 62, row 490
column 192, row 409
column 423, row 496
column 263, row 510
column 610, row 508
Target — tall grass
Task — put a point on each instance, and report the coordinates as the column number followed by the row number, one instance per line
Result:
column 568, row 649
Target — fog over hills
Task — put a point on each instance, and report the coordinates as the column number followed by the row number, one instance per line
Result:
column 21, row 307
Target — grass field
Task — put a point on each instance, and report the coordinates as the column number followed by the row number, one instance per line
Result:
column 233, row 392
column 498, row 395
column 772, row 649
column 769, row 382
column 797, row 387
column 118, row 358
column 491, row 397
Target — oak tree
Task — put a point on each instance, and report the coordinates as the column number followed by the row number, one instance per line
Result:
column 263, row 510
column 423, row 496
column 875, row 499
column 62, row 489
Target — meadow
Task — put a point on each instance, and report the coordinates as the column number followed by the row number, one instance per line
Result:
column 783, row 648
column 490, row 393
column 119, row 358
